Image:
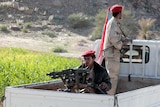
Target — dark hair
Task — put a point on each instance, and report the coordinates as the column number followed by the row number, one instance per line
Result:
column 114, row 14
column 93, row 56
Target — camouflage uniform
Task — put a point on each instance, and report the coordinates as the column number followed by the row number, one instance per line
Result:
column 113, row 44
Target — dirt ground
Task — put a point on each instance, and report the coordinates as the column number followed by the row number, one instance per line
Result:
column 74, row 44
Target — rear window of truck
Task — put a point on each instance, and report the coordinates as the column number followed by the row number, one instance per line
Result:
column 136, row 52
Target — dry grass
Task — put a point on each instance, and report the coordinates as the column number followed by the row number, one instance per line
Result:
column 6, row 4
column 145, row 25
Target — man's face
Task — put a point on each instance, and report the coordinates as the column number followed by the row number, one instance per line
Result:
column 88, row 60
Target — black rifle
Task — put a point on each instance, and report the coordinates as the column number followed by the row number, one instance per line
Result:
column 122, row 51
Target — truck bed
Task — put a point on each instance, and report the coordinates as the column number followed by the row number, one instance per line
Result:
column 124, row 84
column 138, row 92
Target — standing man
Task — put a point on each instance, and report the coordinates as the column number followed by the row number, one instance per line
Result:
column 112, row 45
column 97, row 74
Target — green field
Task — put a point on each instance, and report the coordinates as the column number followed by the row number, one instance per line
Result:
column 20, row 66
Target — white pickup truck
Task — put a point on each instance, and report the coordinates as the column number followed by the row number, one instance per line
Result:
column 139, row 84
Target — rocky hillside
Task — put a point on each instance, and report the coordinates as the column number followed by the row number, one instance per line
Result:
column 39, row 10
column 42, row 24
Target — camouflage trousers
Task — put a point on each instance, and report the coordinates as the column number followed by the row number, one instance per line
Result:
column 113, row 65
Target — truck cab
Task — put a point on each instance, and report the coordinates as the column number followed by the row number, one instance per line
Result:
column 139, row 58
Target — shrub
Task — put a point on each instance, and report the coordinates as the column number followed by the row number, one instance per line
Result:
column 3, row 28
column 145, row 25
column 79, row 20
column 49, row 33
column 128, row 24
column 27, row 25
column 50, row 18
column 19, row 22
column 59, row 19
column 59, row 50
column 99, row 22
column 6, row 4
column 24, row 30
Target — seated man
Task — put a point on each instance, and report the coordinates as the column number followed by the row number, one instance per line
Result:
column 98, row 75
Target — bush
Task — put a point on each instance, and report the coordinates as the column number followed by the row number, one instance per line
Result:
column 6, row 4
column 24, row 30
column 79, row 20
column 59, row 50
column 129, row 24
column 27, row 25
column 49, row 33
column 99, row 22
column 3, row 28
column 19, row 22
column 50, row 18
column 145, row 25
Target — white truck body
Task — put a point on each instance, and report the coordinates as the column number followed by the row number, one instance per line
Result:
column 139, row 84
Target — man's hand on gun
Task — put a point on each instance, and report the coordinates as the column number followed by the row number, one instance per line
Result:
column 83, row 88
column 103, row 85
column 126, row 41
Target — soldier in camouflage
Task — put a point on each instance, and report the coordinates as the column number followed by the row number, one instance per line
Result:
column 113, row 43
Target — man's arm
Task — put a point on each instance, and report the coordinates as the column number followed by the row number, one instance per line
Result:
column 106, row 84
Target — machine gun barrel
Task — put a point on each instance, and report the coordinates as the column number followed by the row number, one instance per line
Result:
column 67, row 72
column 59, row 74
column 70, row 77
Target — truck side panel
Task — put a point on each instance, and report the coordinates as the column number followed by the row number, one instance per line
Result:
column 145, row 97
column 20, row 97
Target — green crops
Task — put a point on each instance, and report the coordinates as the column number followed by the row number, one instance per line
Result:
column 19, row 66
